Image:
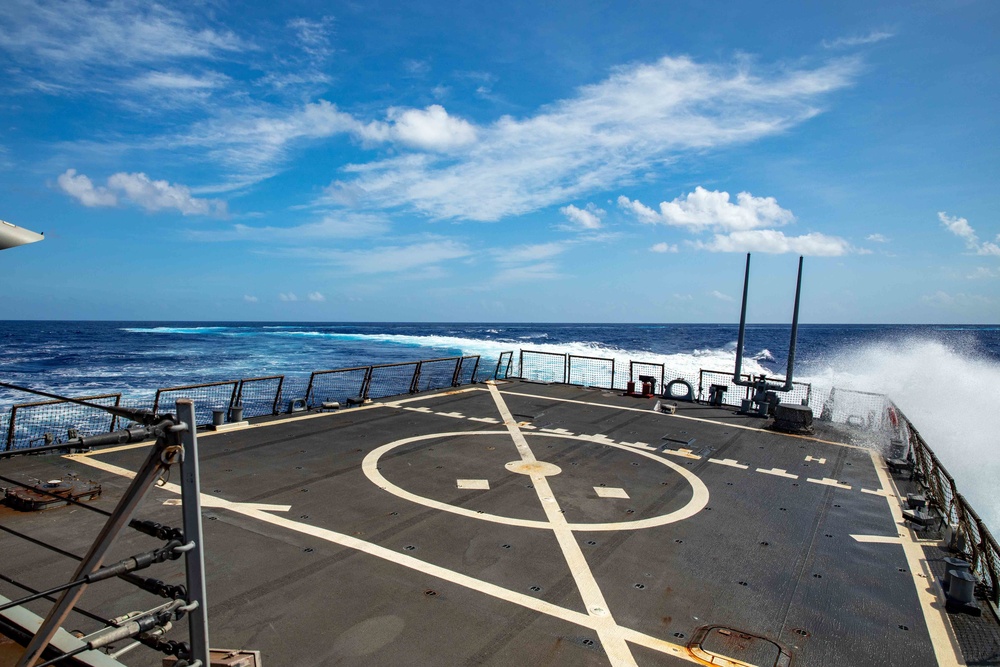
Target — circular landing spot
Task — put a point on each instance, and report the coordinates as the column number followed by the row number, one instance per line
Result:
column 533, row 468
column 697, row 502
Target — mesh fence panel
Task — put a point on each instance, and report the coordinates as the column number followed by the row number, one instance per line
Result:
column 391, row 379
column 337, row 385
column 637, row 368
column 49, row 422
column 591, row 371
column 207, row 397
column 543, row 366
column 505, row 366
column 468, row 369
column 437, row 373
column 260, row 396
column 855, row 408
column 734, row 392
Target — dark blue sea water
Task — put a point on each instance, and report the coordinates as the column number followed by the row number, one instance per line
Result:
column 945, row 378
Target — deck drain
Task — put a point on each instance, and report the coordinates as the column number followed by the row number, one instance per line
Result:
column 901, row 569
column 679, row 541
column 782, row 509
column 764, row 544
column 729, row 483
column 828, row 535
column 393, row 513
column 229, row 469
column 817, row 576
column 212, row 518
column 903, row 627
column 304, row 516
column 836, row 505
column 298, row 467
column 536, row 588
column 308, row 550
column 629, row 511
column 590, row 642
column 430, row 592
column 410, row 547
column 216, row 490
column 505, row 546
column 640, row 586
column 679, row 635
column 801, row 632
column 304, row 490
column 591, row 543
column 439, row 467
column 634, row 463
column 602, row 484
column 742, row 583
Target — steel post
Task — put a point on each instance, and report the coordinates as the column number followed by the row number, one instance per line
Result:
column 195, row 558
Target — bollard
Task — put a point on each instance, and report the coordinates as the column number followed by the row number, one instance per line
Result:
column 218, row 417
column 236, row 413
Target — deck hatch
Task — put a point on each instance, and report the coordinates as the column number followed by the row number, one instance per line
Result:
column 727, row 647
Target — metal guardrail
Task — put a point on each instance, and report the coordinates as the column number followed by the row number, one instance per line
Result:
column 984, row 552
column 52, row 422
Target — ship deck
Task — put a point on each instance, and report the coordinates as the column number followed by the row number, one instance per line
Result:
column 522, row 523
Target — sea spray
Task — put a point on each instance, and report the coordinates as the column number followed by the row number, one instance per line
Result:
column 951, row 394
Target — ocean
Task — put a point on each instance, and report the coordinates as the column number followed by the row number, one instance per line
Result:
column 945, row 378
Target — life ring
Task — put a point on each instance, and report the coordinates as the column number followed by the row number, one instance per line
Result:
column 668, row 391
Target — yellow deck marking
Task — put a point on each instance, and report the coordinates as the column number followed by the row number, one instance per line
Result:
column 820, row 461
column 610, row 492
column 877, row 539
column 732, row 463
column 946, row 648
column 686, row 453
column 778, row 472
column 827, row 481
column 479, row 484
column 607, row 629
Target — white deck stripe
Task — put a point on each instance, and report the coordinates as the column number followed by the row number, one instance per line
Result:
column 608, row 631
column 595, row 623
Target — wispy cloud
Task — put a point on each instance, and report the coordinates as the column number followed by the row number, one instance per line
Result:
column 961, row 228
column 527, row 273
column 877, row 238
column 139, row 189
column 316, row 296
column 335, row 226
column 858, row 40
column 288, row 296
column 983, row 272
column 57, row 41
column 250, row 298
column 720, row 296
column 663, row 247
column 603, row 136
column 415, row 257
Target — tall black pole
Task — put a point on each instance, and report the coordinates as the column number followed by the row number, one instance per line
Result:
column 743, row 324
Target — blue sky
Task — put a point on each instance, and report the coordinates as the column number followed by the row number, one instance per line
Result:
column 501, row 161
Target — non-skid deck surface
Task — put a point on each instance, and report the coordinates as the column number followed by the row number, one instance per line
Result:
column 587, row 529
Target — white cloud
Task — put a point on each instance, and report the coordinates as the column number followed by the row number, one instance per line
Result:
column 430, row 129
column 858, row 40
column 250, row 299
column 160, row 195
column 663, row 247
column 139, row 189
column 720, row 296
column 961, row 228
column 586, row 218
column 603, row 136
column 704, row 209
column 289, row 296
column 958, row 301
column 313, row 36
column 159, row 82
column 316, row 296
column 877, row 238
column 83, row 190
column 774, row 241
